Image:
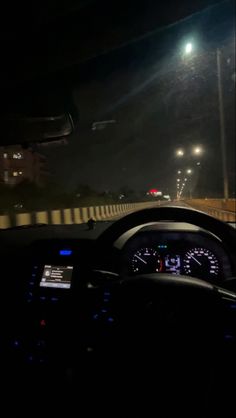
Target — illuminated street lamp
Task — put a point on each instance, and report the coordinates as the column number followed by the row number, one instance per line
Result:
column 197, row 150
column 179, row 171
column 189, row 171
column 180, row 153
column 188, row 48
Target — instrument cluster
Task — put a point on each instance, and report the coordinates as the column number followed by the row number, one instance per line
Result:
column 196, row 262
column 178, row 253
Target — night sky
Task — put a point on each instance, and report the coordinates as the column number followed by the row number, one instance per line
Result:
column 160, row 101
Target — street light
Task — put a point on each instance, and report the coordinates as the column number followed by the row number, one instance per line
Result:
column 179, row 171
column 188, row 48
column 179, row 153
column 197, row 150
column 189, row 171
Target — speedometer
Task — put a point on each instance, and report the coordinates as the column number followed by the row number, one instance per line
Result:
column 146, row 260
column 202, row 263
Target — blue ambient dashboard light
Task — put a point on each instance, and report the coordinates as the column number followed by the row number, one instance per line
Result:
column 65, row 252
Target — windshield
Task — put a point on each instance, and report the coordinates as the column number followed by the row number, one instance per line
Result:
column 156, row 124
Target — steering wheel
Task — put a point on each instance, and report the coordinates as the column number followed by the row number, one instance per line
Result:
column 169, row 213
column 180, row 310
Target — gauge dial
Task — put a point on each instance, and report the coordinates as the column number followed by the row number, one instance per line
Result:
column 200, row 262
column 146, row 260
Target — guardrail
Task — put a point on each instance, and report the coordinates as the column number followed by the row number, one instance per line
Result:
column 72, row 215
column 219, row 208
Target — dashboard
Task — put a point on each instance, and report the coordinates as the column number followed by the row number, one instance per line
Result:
column 176, row 249
column 59, row 285
column 193, row 253
column 74, row 305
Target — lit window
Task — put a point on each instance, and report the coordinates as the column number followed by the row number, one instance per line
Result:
column 17, row 155
column 15, row 173
column 5, row 155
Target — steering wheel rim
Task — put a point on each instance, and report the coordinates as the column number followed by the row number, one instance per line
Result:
column 169, row 213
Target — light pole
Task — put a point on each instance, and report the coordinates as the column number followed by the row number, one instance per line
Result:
column 222, row 126
column 189, row 172
column 187, row 51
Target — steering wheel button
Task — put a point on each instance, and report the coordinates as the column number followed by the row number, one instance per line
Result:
column 16, row 344
column 110, row 319
column 229, row 337
column 41, row 343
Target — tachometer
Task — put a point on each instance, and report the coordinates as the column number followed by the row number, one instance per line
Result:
column 146, row 260
column 202, row 263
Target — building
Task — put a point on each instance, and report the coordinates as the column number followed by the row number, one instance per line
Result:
column 18, row 164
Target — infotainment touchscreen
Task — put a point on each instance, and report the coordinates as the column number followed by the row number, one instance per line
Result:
column 56, row 276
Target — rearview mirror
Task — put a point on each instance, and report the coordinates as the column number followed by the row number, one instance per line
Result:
column 36, row 114
column 17, row 129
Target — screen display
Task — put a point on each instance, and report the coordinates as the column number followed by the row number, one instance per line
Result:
column 172, row 263
column 56, row 276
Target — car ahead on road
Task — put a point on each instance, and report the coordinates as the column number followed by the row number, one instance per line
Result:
column 136, row 316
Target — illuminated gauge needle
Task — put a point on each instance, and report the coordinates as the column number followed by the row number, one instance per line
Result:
column 143, row 261
column 195, row 260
